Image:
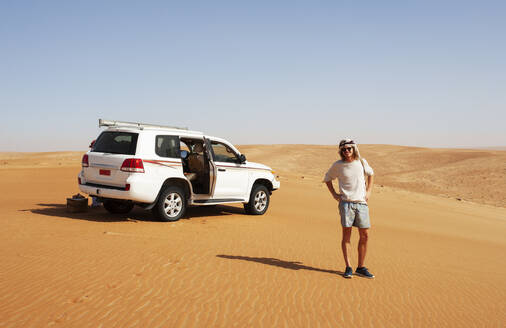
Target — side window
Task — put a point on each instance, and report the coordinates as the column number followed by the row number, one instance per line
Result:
column 222, row 153
column 167, row 146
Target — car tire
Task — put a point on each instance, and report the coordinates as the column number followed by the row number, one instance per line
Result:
column 171, row 205
column 258, row 201
column 118, row 206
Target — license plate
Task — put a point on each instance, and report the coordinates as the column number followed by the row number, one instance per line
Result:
column 105, row 172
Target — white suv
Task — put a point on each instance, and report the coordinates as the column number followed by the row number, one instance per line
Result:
column 166, row 169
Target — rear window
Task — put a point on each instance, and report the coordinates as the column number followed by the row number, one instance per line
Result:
column 116, row 143
column 167, row 146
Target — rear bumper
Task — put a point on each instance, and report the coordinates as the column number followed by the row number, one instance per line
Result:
column 139, row 190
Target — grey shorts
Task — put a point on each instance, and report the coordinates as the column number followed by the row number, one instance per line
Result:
column 354, row 215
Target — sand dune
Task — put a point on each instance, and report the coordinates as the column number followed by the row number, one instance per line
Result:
column 473, row 175
column 438, row 261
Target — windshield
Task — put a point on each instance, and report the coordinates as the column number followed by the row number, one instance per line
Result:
column 116, row 143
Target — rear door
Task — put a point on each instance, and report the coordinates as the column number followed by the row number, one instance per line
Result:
column 107, row 156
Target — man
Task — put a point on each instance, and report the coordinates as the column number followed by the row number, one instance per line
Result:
column 353, row 195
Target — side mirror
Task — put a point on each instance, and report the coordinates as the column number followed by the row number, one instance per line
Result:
column 242, row 158
column 184, row 154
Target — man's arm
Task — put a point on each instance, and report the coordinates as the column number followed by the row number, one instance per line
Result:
column 370, row 182
column 333, row 191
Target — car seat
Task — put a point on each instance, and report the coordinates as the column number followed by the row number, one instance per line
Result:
column 196, row 162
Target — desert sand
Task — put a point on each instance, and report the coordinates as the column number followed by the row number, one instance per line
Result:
column 437, row 246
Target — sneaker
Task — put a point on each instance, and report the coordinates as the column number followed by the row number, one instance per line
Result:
column 348, row 273
column 364, row 273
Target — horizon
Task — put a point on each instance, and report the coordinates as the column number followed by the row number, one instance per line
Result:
column 428, row 74
column 494, row 148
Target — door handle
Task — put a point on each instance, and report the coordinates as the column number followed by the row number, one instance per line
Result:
column 221, row 170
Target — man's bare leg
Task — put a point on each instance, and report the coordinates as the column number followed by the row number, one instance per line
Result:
column 362, row 245
column 346, row 244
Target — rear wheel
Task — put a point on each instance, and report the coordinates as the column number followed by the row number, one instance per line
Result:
column 171, row 205
column 118, row 206
column 258, row 200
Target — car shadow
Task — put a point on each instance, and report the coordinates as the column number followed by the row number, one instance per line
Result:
column 212, row 210
column 292, row 265
column 96, row 214
column 99, row 214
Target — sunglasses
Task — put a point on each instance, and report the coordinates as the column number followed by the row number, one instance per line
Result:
column 348, row 149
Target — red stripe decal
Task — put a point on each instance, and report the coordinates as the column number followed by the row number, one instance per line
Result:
column 243, row 167
column 164, row 163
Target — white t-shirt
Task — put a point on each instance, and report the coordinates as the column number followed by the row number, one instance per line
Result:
column 351, row 179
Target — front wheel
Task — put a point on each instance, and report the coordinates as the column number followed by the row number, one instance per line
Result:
column 258, row 200
column 171, row 205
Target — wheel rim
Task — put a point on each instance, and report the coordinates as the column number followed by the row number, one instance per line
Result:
column 260, row 201
column 173, row 204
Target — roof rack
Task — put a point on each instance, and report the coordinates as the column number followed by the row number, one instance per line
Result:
column 141, row 126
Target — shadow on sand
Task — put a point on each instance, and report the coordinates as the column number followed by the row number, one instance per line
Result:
column 99, row 214
column 292, row 265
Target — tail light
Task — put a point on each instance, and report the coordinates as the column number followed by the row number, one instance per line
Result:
column 133, row 165
column 79, row 180
column 84, row 162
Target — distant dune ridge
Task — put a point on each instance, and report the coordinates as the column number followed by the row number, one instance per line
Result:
column 438, row 261
column 477, row 175
column 472, row 175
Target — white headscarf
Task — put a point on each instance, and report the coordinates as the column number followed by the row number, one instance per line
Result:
column 349, row 142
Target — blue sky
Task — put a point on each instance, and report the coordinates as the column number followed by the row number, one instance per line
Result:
column 420, row 73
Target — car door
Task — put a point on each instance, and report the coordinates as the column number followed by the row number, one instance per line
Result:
column 212, row 167
column 231, row 176
column 106, row 157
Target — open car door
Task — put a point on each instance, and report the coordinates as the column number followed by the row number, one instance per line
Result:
column 212, row 167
